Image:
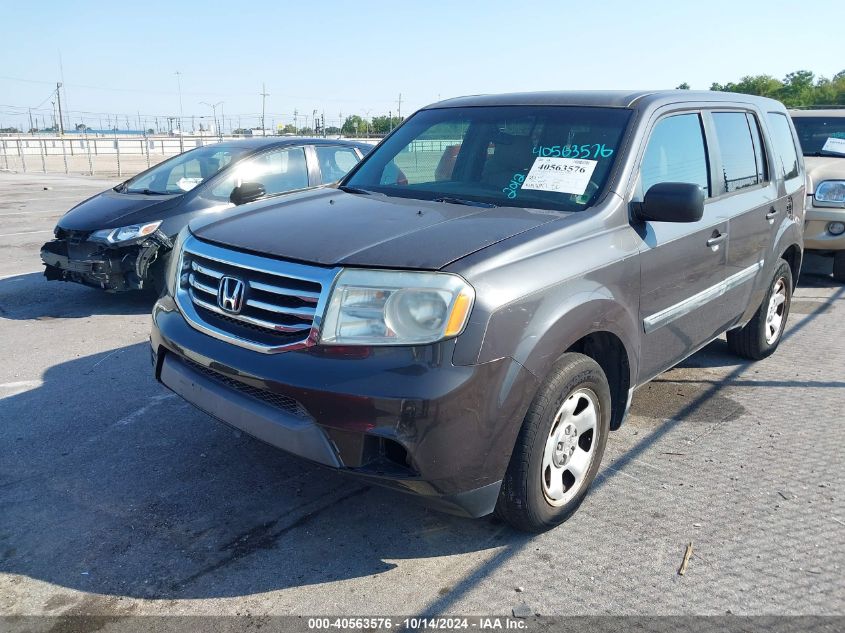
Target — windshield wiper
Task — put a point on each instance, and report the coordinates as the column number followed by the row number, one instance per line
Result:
column 469, row 203
column 347, row 189
column 146, row 192
column 825, row 152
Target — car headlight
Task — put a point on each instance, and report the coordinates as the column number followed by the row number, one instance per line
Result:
column 380, row 307
column 126, row 233
column 830, row 191
column 174, row 265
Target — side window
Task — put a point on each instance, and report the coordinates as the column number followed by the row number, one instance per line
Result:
column 759, row 151
column 279, row 170
column 736, row 149
column 676, row 153
column 784, row 144
column 335, row 161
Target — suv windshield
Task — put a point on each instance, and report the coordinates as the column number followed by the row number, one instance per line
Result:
column 821, row 135
column 546, row 157
column 184, row 172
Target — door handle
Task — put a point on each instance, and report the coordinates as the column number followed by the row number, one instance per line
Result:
column 717, row 239
column 772, row 214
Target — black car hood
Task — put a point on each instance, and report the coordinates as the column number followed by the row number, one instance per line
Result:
column 111, row 209
column 331, row 227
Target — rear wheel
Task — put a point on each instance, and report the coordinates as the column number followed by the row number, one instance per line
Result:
column 559, row 448
column 839, row 266
column 761, row 336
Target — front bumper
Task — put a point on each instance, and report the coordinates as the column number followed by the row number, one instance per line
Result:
column 816, row 235
column 403, row 417
column 112, row 268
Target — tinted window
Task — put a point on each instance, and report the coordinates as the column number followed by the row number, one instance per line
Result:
column 544, row 157
column 759, row 150
column 335, row 161
column 279, row 170
column 814, row 132
column 784, row 144
column 676, row 153
column 736, row 149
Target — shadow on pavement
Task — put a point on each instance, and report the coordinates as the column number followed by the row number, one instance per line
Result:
column 110, row 484
column 31, row 296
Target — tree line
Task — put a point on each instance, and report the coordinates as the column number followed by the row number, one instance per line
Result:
column 798, row 89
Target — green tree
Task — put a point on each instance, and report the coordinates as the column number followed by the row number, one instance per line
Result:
column 799, row 88
column 384, row 124
column 354, row 125
column 683, row 86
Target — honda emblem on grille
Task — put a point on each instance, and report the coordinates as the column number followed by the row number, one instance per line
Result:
column 230, row 294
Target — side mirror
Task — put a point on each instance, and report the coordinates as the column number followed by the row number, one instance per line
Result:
column 672, row 202
column 247, row 192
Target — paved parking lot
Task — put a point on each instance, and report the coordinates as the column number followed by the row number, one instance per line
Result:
column 117, row 498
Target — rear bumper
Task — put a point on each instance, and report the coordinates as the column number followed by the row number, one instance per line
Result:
column 96, row 264
column 405, row 418
column 816, row 235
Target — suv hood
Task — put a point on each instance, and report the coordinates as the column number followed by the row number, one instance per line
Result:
column 111, row 209
column 331, row 227
column 820, row 168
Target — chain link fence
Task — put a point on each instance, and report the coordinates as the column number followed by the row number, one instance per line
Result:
column 90, row 155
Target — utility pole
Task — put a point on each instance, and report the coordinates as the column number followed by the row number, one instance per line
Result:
column 181, row 131
column 295, row 121
column 314, row 122
column 400, row 108
column 264, row 95
column 390, row 121
column 61, row 128
column 31, row 127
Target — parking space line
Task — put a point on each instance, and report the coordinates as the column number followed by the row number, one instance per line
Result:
column 26, row 272
column 25, row 233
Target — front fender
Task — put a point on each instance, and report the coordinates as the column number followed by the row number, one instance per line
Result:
column 536, row 330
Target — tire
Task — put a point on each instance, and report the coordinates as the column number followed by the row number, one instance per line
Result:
column 157, row 276
column 547, row 451
column 839, row 266
column 761, row 336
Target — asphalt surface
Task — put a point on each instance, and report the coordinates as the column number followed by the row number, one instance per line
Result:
column 117, row 498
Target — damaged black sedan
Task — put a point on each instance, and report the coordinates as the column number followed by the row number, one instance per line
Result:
column 120, row 239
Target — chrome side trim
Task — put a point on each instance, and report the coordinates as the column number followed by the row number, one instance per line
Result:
column 700, row 299
column 185, row 301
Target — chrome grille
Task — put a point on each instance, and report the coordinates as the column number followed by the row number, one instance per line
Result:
column 282, row 302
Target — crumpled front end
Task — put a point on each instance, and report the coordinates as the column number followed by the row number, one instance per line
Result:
column 72, row 256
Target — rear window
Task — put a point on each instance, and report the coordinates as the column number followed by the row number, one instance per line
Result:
column 784, row 143
column 736, row 149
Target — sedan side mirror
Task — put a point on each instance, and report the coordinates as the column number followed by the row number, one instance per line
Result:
column 672, row 202
column 247, row 192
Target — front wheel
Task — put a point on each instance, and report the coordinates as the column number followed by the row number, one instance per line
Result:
column 559, row 447
column 761, row 336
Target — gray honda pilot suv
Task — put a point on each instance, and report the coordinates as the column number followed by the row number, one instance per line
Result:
column 467, row 314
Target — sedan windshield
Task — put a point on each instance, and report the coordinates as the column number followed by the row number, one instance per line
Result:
column 184, row 172
column 546, row 157
column 821, row 136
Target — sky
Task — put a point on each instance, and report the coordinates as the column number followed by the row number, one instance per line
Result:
column 121, row 58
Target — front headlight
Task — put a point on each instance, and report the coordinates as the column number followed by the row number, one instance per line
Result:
column 830, row 191
column 381, row 307
column 126, row 233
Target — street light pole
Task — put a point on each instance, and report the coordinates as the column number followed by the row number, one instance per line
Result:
column 181, row 130
column 213, row 107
